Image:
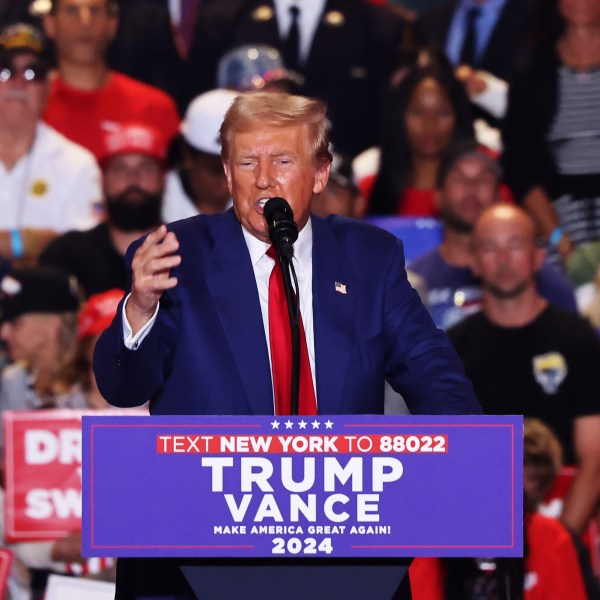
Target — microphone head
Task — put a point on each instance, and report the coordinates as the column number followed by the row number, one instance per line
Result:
column 277, row 209
column 283, row 231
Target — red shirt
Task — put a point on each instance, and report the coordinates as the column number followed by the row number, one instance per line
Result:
column 417, row 203
column 85, row 116
column 552, row 570
column 412, row 203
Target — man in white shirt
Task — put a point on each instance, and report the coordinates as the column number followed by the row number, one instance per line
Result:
column 48, row 184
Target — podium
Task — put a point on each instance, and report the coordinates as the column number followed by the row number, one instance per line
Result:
column 231, row 578
column 298, row 581
column 296, row 507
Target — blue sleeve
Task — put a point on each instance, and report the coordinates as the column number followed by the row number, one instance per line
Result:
column 553, row 285
column 422, row 364
column 128, row 378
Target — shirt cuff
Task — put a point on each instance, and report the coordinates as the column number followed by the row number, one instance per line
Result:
column 495, row 97
column 132, row 342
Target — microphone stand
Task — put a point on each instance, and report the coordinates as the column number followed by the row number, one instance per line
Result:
column 293, row 303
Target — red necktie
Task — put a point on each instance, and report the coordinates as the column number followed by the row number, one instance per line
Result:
column 280, row 337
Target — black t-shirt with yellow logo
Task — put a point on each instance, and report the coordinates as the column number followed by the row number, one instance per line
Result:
column 548, row 369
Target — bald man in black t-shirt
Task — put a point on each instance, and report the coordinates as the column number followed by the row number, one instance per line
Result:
column 526, row 357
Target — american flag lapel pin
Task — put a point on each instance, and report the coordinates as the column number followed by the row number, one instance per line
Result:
column 340, row 288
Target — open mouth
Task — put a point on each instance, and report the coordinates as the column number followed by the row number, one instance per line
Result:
column 261, row 204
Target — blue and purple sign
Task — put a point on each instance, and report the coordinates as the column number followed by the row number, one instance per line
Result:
column 325, row 486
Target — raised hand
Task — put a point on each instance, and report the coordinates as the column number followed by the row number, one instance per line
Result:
column 151, row 265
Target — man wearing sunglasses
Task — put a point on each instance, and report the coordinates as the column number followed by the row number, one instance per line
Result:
column 48, row 185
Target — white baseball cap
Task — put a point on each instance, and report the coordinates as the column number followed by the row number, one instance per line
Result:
column 203, row 118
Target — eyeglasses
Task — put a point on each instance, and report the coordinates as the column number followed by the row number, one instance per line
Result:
column 30, row 73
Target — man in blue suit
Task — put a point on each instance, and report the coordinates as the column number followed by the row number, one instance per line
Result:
column 193, row 335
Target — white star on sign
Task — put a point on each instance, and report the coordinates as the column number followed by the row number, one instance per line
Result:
column 302, row 424
column 289, row 424
column 315, row 424
column 275, row 424
column 328, row 424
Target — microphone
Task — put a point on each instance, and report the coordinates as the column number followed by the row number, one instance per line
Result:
column 283, row 231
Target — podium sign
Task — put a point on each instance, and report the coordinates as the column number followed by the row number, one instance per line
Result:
column 325, row 486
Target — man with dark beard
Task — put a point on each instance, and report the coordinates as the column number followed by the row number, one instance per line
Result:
column 525, row 356
column 469, row 182
column 133, row 174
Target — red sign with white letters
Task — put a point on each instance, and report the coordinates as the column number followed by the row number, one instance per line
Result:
column 42, row 458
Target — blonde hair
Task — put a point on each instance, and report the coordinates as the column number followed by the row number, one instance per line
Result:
column 65, row 376
column 541, row 444
column 279, row 110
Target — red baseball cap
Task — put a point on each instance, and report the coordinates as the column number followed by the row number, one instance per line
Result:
column 134, row 138
column 98, row 312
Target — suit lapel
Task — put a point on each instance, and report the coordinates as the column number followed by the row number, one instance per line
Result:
column 233, row 288
column 329, row 22
column 333, row 316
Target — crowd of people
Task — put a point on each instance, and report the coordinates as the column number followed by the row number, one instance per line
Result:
column 483, row 114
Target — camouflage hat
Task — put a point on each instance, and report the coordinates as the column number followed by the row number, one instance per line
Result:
column 21, row 37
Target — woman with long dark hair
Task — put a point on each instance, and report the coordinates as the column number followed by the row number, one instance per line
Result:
column 426, row 111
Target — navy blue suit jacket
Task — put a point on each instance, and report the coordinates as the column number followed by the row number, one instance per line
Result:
column 207, row 352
